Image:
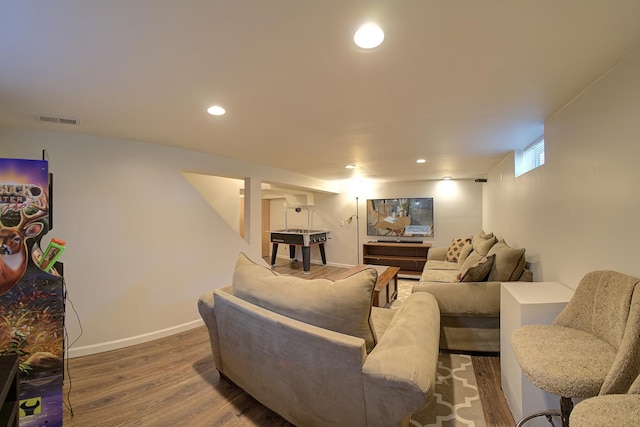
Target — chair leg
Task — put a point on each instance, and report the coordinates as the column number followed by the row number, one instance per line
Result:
column 548, row 414
column 566, row 406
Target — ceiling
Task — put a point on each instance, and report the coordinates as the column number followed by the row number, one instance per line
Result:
column 459, row 83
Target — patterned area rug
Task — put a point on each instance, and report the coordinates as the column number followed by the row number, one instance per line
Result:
column 404, row 290
column 456, row 401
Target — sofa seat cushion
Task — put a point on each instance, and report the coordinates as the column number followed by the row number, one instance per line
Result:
column 381, row 318
column 441, row 265
column 342, row 306
column 509, row 263
column 477, row 299
column 442, row 276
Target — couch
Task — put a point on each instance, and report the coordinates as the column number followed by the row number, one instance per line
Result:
column 465, row 279
column 317, row 353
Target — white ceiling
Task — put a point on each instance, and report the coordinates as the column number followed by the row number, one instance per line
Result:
column 458, row 82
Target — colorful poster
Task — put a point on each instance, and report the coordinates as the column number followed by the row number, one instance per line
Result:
column 31, row 300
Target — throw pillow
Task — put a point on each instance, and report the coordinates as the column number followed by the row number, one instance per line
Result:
column 478, row 271
column 473, row 258
column 482, row 236
column 464, row 253
column 509, row 263
column 482, row 246
column 342, row 306
column 455, row 248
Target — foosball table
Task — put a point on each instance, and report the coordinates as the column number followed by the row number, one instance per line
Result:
column 299, row 237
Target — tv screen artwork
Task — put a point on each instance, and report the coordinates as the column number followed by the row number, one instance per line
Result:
column 411, row 217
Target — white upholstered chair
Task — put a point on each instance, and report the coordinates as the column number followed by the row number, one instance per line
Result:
column 620, row 410
column 593, row 346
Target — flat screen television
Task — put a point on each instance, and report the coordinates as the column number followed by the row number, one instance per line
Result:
column 396, row 218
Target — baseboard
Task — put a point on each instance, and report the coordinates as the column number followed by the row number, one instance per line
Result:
column 126, row 342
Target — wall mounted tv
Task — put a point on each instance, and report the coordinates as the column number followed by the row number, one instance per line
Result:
column 409, row 217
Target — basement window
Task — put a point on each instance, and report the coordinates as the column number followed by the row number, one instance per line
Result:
column 530, row 158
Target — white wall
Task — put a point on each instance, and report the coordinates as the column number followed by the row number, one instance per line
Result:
column 579, row 211
column 142, row 244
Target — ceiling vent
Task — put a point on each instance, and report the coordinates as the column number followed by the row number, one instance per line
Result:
column 47, row 118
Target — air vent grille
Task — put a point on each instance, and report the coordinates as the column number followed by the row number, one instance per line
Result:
column 47, row 118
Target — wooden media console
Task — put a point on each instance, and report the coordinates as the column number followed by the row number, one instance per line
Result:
column 409, row 257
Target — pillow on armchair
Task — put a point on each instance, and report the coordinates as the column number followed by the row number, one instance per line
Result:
column 342, row 306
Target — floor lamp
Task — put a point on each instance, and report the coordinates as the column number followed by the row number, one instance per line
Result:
column 357, row 215
column 357, row 231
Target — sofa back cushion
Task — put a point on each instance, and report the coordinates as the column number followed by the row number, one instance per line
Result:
column 482, row 236
column 342, row 306
column 509, row 263
column 464, row 253
column 482, row 245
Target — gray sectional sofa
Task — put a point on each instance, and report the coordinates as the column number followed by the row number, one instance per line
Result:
column 465, row 279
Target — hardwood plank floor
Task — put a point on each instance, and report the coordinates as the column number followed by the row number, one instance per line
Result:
column 173, row 382
column 494, row 404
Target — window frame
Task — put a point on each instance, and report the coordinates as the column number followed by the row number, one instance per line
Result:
column 532, row 157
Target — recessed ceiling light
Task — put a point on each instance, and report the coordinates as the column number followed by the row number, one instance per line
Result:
column 216, row 110
column 421, row 161
column 447, row 178
column 368, row 36
column 350, row 166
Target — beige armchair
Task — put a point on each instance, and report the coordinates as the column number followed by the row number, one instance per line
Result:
column 593, row 346
column 317, row 353
column 620, row 410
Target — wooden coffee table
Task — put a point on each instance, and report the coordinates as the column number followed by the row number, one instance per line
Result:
column 386, row 289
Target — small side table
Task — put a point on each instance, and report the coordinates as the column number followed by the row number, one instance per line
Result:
column 386, row 290
column 527, row 303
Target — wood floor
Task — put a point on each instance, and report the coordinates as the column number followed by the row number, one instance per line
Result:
column 173, row 382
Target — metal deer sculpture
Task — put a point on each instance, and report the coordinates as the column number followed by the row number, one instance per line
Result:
column 13, row 248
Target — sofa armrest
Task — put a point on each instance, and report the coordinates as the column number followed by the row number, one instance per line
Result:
column 205, row 308
column 400, row 372
column 437, row 254
column 479, row 299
